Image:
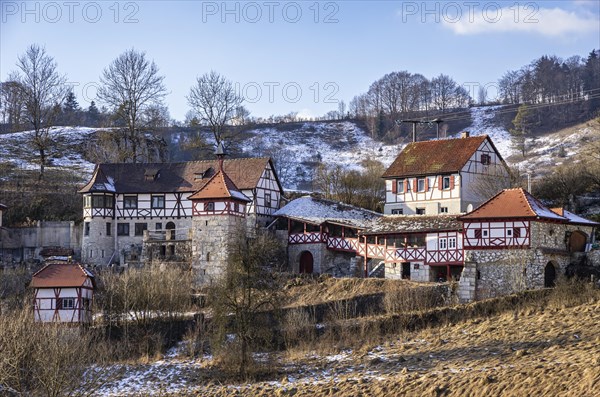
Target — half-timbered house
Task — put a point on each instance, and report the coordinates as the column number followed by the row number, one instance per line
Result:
column 446, row 176
column 125, row 203
column 513, row 242
column 63, row 292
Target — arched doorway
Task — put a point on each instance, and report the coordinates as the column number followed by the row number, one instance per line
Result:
column 549, row 275
column 170, row 231
column 577, row 241
column 306, row 262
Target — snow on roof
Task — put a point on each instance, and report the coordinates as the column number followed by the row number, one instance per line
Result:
column 394, row 224
column 573, row 218
column 318, row 211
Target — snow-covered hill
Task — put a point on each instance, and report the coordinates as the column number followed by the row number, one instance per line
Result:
column 300, row 147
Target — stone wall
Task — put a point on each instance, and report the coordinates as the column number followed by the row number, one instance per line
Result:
column 213, row 240
column 419, row 271
column 336, row 263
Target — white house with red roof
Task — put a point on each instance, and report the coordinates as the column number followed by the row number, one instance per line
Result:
column 513, row 242
column 63, row 292
column 445, row 176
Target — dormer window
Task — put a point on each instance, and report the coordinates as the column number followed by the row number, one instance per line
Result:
column 151, row 174
column 203, row 174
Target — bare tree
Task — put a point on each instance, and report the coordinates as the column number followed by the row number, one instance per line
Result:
column 130, row 85
column 12, row 102
column 43, row 91
column 214, row 100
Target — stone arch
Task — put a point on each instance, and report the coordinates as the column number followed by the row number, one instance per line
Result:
column 577, row 241
column 550, row 271
column 306, row 262
column 170, row 230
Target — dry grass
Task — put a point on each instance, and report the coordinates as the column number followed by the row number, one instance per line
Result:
column 545, row 345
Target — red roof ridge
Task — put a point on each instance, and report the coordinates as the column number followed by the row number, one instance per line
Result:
column 226, row 183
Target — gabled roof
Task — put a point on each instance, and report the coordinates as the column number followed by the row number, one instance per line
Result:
column 435, row 157
column 513, row 203
column 218, row 187
column 55, row 275
column 318, row 211
column 183, row 177
column 401, row 224
column 574, row 219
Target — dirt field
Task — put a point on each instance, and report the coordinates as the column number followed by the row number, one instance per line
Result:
column 552, row 351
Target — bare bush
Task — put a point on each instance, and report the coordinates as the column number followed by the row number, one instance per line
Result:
column 400, row 298
column 50, row 359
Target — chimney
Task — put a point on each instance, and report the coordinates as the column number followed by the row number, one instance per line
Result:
column 414, row 132
column 220, row 152
column 465, row 134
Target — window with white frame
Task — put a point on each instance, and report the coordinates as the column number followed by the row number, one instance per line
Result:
column 443, row 243
column 443, row 210
column 421, row 185
column 451, row 242
column 66, row 303
column 397, row 211
column 268, row 200
column 420, row 211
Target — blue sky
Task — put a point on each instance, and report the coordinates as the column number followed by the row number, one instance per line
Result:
column 297, row 56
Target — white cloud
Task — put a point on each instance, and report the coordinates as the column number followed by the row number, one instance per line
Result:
column 553, row 22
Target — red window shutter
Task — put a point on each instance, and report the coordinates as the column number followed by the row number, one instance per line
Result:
column 415, row 185
column 394, row 186
column 405, row 187
column 440, row 180
column 426, row 184
column 451, row 182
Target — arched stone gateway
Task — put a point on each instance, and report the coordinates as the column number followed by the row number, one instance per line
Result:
column 550, row 275
column 306, row 262
column 577, row 241
column 170, row 231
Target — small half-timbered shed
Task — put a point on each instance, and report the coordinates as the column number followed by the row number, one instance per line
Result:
column 63, row 292
column 446, row 176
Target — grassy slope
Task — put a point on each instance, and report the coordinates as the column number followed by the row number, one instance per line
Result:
column 537, row 351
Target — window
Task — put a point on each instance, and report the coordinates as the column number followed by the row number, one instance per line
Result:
column 420, row 211
column 102, row 201
column 400, row 186
column 486, row 159
column 236, row 207
column 86, row 228
column 268, row 174
column 421, row 185
column 158, row 201
column 209, row 206
column 122, row 229
column 509, row 232
column 443, row 210
column 87, row 201
column 485, row 233
column 397, row 211
column 158, row 226
column 446, row 183
column 130, row 202
column 452, row 242
column 268, row 200
column 65, row 303
column 477, row 233
column 108, row 228
column 139, row 228
column 443, row 244
column 517, row 232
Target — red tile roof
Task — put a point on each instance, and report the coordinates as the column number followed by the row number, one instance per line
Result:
column 434, row 157
column 513, row 203
column 219, row 186
column 57, row 275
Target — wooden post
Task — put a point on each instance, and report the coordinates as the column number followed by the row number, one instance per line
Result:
column 366, row 256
